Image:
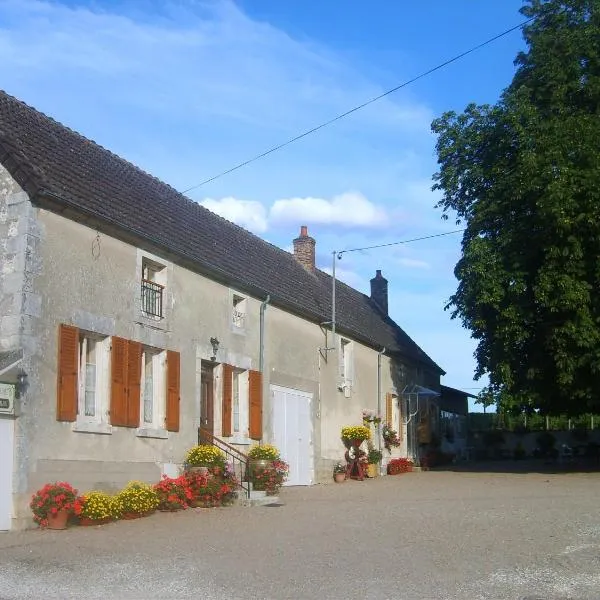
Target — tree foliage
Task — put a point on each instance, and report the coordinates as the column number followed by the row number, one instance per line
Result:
column 523, row 176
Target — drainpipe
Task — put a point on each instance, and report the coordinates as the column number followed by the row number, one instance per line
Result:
column 379, row 354
column 261, row 357
column 261, row 351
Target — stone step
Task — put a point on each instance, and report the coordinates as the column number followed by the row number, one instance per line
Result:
column 258, row 500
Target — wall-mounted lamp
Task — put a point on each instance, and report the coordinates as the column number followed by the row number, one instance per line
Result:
column 214, row 342
column 21, row 385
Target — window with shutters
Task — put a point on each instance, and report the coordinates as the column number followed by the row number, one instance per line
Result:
column 239, row 399
column 89, row 396
column 236, row 404
column 93, row 378
column 153, row 392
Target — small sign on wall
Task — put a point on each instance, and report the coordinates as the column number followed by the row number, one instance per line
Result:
column 7, row 399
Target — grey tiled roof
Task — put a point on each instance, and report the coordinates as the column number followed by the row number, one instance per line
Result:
column 60, row 168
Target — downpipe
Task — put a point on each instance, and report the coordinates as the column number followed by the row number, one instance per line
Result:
column 379, row 355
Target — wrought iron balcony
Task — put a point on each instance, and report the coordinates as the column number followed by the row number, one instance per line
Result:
column 152, row 298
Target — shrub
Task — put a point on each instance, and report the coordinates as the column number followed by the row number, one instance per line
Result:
column 138, row 498
column 264, row 452
column 205, row 455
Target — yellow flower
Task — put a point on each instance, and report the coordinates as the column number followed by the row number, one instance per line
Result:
column 356, row 432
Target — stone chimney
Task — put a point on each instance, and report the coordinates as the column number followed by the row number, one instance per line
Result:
column 379, row 291
column 304, row 249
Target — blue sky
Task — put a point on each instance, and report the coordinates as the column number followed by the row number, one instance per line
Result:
column 188, row 88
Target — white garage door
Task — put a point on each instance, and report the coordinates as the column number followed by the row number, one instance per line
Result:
column 292, row 430
column 6, row 471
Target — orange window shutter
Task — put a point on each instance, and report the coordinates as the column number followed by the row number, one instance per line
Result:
column 389, row 415
column 173, row 393
column 227, row 400
column 68, row 364
column 118, row 382
column 134, row 382
column 256, row 409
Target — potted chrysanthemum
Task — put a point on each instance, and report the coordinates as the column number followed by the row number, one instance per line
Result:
column 137, row 499
column 204, row 458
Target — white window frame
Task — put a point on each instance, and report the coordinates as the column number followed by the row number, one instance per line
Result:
column 346, row 366
column 161, row 272
column 156, row 426
column 155, row 273
column 241, row 436
column 99, row 421
column 238, row 312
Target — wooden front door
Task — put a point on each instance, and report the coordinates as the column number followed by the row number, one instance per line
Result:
column 207, row 421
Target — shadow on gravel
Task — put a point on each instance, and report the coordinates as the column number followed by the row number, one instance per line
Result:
column 523, row 466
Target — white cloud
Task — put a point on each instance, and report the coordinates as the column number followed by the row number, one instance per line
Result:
column 414, row 263
column 350, row 209
column 246, row 213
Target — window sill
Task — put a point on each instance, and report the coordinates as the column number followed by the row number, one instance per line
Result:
column 240, row 440
column 149, row 432
column 90, row 427
column 150, row 321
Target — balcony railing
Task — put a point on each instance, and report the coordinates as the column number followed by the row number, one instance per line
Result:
column 152, row 298
column 238, row 318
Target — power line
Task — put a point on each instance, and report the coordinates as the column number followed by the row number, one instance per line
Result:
column 425, row 237
column 360, row 106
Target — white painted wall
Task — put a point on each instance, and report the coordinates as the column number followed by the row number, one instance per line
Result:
column 7, row 444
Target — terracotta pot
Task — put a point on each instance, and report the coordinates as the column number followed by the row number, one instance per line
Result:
column 87, row 522
column 128, row 516
column 254, row 464
column 199, row 470
column 59, row 520
column 339, row 477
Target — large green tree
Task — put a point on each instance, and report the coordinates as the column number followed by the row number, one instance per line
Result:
column 523, row 176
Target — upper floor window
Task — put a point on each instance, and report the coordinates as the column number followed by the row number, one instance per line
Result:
column 152, row 290
column 346, row 366
column 238, row 315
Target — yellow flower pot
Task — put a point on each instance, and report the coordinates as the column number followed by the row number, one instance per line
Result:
column 372, row 470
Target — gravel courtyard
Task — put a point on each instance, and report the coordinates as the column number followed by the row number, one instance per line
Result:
column 439, row 535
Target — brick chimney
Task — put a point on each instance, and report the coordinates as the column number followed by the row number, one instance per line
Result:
column 379, row 291
column 304, row 249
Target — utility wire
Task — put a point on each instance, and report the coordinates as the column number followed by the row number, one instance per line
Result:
column 360, row 106
column 425, row 237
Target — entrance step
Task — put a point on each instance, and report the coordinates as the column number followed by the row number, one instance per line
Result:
column 258, row 500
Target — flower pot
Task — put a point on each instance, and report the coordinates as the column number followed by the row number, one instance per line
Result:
column 87, row 522
column 58, row 520
column 199, row 470
column 372, row 470
column 339, row 477
column 254, row 465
